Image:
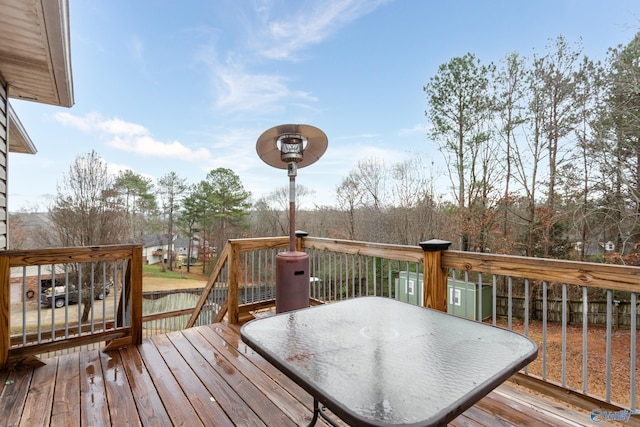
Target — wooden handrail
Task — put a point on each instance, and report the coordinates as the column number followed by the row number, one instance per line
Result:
column 234, row 274
column 136, row 295
column 213, row 278
column 381, row 250
column 614, row 277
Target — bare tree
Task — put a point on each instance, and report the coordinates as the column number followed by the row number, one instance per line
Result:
column 509, row 93
column 580, row 177
column 619, row 145
column 409, row 188
column 349, row 196
column 86, row 212
column 273, row 210
column 371, row 177
column 265, row 219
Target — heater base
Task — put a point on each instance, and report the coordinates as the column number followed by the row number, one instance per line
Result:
column 292, row 281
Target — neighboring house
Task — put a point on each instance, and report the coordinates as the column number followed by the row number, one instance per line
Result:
column 181, row 249
column 155, row 248
column 35, row 65
column 24, row 281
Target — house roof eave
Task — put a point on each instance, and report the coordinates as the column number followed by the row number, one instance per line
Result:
column 19, row 140
column 35, row 56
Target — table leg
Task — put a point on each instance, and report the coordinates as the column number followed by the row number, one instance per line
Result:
column 317, row 410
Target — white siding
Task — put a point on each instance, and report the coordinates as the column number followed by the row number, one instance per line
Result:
column 4, row 144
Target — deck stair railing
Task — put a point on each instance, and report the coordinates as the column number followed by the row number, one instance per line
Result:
column 242, row 281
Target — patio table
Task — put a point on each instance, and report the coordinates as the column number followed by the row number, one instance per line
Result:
column 376, row 361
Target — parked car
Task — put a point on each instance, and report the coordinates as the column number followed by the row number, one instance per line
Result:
column 59, row 296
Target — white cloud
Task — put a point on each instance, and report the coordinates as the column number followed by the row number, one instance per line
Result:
column 239, row 90
column 419, row 129
column 147, row 146
column 294, row 32
column 132, row 137
column 116, row 168
column 120, row 127
column 85, row 123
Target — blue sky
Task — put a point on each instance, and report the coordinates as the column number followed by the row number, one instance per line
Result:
column 189, row 86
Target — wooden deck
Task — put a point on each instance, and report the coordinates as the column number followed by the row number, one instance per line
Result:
column 203, row 376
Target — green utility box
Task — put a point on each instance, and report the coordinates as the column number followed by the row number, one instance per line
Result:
column 409, row 287
column 463, row 299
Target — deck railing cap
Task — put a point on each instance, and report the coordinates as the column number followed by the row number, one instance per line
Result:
column 434, row 245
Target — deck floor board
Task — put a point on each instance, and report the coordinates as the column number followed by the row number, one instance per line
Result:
column 148, row 403
column 66, row 401
column 15, row 394
column 204, row 376
column 93, row 397
column 206, row 406
column 122, row 406
column 175, row 401
column 37, row 407
column 222, row 382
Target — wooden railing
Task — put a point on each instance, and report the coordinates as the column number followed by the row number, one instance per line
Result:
column 109, row 276
column 522, row 292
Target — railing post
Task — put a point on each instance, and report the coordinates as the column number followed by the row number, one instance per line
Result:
column 299, row 243
column 434, row 290
column 234, row 274
column 136, row 295
column 5, row 295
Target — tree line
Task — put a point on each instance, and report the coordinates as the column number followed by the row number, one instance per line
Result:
column 94, row 207
column 542, row 154
column 543, row 151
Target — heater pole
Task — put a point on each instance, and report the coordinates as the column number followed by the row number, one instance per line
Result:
column 292, row 214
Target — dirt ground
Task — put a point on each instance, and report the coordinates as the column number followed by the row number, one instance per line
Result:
column 596, row 360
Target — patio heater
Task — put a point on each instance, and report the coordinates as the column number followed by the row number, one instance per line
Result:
column 291, row 147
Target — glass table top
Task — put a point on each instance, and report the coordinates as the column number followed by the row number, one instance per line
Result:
column 378, row 361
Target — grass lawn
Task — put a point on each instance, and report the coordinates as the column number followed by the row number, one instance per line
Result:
column 153, row 278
